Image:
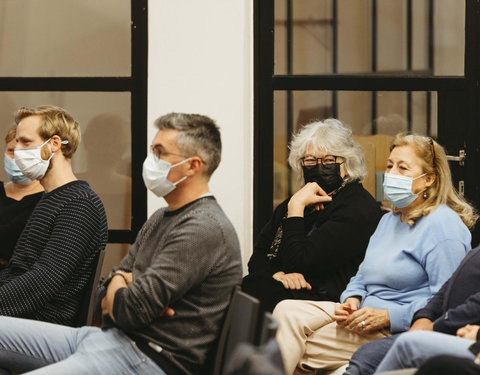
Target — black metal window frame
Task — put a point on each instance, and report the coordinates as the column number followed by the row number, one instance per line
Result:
column 136, row 84
column 266, row 83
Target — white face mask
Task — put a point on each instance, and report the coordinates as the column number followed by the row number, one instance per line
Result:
column 155, row 172
column 30, row 161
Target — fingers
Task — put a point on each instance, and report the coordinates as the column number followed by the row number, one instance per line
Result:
column 341, row 314
column 169, row 312
column 355, row 320
column 284, row 281
column 461, row 332
column 353, row 303
column 295, row 281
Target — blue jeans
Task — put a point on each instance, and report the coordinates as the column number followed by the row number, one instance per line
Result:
column 412, row 349
column 51, row 349
column 366, row 359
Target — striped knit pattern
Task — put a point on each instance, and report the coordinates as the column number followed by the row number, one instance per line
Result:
column 55, row 256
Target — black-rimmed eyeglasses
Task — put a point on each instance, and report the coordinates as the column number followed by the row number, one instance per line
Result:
column 311, row 160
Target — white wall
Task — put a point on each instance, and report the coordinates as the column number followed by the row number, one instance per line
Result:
column 201, row 61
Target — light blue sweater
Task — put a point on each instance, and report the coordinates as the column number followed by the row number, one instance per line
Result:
column 405, row 266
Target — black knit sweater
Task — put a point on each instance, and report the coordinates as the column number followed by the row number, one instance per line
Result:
column 13, row 217
column 55, row 256
column 325, row 246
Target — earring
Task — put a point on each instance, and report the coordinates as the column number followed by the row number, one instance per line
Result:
column 425, row 195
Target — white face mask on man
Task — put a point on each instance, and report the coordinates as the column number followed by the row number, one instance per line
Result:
column 30, row 161
column 155, row 172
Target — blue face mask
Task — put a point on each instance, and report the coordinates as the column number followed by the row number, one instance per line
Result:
column 398, row 189
column 14, row 173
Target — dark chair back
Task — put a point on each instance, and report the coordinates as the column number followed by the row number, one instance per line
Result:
column 239, row 326
column 85, row 314
column 269, row 328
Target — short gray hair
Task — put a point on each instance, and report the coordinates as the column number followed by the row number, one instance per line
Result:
column 198, row 135
column 334, row 138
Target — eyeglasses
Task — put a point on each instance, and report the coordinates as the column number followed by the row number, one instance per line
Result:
column 311, row 160
column 158, row 153
column 432, row 146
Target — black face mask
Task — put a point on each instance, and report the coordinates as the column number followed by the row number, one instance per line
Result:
column 326, row 176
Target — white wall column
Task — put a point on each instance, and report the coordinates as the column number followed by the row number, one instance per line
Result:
column 201, row 61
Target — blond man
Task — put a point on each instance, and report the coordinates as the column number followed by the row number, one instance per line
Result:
column 57, row 250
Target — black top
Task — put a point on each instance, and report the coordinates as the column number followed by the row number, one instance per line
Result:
column 55, row 256
column 457, row 303
column 325, row 246
column 13, row 217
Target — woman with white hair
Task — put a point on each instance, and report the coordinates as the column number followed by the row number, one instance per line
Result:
column 413, row 251
column 316, row 239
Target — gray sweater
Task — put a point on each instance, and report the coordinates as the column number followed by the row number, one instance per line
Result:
column 189, row 260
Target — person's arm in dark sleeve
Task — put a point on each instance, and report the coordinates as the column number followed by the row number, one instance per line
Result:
column 342, row 238
column 259, row 262
column 179, row 265
column 126, row 264
column 433, row 309
column 460, row 316
column 10, row 231
column 66, row 249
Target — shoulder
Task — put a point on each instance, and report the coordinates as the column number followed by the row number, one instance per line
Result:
column 358, row 202
column 206, row 218
column 388, row 219
column 207, row 213
column 443, row 224
column 444, row 217
column 77, row 196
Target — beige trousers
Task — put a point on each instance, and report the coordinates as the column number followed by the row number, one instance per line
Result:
column 309, row 338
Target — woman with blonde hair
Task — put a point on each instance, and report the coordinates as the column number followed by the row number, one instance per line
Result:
column 413, row 251
column 441, row 191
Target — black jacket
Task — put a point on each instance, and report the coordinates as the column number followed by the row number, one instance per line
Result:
column 326, row 246
column 457, row 303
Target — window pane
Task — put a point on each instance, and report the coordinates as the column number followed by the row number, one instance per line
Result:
column 394, row 112
column 103, row 158
column 54, row 38
column 311, row 49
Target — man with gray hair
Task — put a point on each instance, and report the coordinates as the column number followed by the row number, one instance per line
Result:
column 184, row 263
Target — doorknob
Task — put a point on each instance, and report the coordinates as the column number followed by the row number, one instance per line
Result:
column 462, row 155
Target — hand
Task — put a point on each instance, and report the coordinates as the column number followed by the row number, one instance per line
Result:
column 343, row 310
column 292, row 280
column 117, row 282
column 128, row 276
column 374, row 319
column 310, row 194
column 103, row 305
column 168, row 312
column 468, row 332
column 422, row 324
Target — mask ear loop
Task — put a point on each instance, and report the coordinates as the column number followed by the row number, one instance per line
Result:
column 184, row 177
column 64, row 142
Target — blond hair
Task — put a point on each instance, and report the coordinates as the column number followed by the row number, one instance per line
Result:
column 434, row 161
column 54, row 121
column 11, row 133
